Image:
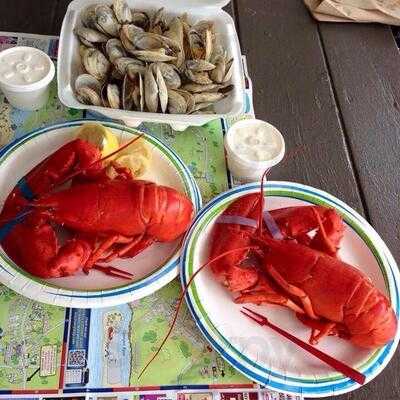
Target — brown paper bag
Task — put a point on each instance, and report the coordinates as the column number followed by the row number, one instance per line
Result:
column 382, row 11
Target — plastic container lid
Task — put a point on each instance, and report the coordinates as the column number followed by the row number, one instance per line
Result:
column 245, row 162
column 28, row 87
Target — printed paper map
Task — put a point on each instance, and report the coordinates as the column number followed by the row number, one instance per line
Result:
column 51, row 350
column 186, row 357
column 31, row 337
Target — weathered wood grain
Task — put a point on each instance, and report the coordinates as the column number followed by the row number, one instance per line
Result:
column 28, row 16
column 333, row 91
column 59, row 14
column 292, row 90
column 364, row 63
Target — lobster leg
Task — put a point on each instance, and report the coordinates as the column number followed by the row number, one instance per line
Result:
column 264, row 293
column 268, row 298
column 130, row 249
column 104, row 247
column 131, row 245
column 319, row 329
column 292, row 289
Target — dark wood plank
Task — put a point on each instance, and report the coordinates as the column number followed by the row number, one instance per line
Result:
column 28, row 16
column 364, row 62
column 292, row 90
column 59, row 15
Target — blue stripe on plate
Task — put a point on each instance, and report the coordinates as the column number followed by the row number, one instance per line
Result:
column 323, row 388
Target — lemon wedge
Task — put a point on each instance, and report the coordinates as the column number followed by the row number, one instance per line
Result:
column 137, row 163
column 100, row 136
column 138, row 147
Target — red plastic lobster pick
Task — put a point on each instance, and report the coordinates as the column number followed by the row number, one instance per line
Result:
column 335, row 364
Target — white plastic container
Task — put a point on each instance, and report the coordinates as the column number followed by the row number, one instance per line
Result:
column 69, row 63
column 25, row 76
column 242, row 164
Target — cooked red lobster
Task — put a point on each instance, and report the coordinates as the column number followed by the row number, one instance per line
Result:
column 299, row 270
column 108, row 218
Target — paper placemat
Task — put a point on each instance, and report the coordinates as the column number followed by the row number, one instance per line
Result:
column 50, row 352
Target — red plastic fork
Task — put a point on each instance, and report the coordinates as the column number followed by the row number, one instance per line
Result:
column 112, row 271
column 335, row 364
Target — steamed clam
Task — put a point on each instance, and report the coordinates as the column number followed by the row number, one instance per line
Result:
column 114, row 49
column 88, row 89
column 95, row 63
column 122, row 12
column 134, row 60
column 106, row 20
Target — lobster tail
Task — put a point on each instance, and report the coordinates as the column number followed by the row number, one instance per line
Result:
column 369, row 318
column 170, row 212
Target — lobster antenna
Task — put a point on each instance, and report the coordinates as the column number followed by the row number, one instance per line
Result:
column 79, row 171
column 15, row 219
column 182, row 296
column 328, row 242
column 262, row 202
column 288, row 157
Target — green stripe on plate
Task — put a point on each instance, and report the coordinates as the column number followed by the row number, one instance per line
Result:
column 289, row 194
column 162, row 148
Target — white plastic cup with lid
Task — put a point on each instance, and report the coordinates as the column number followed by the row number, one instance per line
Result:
column 253, row 146
column 25, row 76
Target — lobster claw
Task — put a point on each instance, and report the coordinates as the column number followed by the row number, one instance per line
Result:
column 70, row 258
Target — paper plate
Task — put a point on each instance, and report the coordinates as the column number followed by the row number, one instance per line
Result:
column 152, row 269
column 259, row 353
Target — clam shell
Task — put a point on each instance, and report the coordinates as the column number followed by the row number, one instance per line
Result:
column 152, row 55
column 106, row 21
column 90, row 35
column 176, row 102
column 208, row 97
column 114, row 49
column 122, row 12
column 88, row 95
column 122, row 63
column 133, row 69
column 162, row 90
column 202, row 78
column 88, row 81
column 150, row 91
column 95, row 63
column 128, row 87
column 175, row 33
column 189, row 98
column 113, row 95
column 140, row 19
column 88, row 16
column 141, row 92
column 197, row 88
column 136, row 60
column 199, row 65
column 170, row 74
column 218, row 73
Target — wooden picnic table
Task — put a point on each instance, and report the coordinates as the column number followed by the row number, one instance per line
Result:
column 334, row 92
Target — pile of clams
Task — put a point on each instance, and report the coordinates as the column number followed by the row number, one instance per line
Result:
column 142, row 62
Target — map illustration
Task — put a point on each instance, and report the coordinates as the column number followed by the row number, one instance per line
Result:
column 50, row 350
column 31, row 336
column 186, row 357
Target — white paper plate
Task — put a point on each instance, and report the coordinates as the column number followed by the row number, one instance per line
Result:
column 153, row 268
column 260, row 353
